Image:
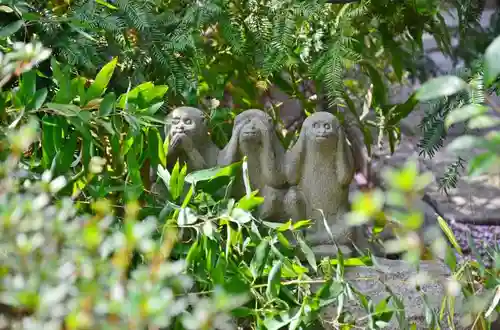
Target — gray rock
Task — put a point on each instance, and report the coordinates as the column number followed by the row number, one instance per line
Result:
column 398, row 276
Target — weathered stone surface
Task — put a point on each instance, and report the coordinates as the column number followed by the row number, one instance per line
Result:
column 255, row 137
column 400, row 278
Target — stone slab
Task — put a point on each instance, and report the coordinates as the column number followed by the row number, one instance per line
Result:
column 399, row 277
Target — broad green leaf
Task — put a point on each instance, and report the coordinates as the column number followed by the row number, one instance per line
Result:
column 492, row 62
column 465, row 142
column 274, row 281
column 107, row 104
column 132, row 94
column 156, row 92
column 38, row 99
column 10, row 29
column 311, row 259
column 464, row 113
column 440, row 87
column 449, row 234
column 102, row 80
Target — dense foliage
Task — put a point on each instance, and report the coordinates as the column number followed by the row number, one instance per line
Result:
column 81, row 130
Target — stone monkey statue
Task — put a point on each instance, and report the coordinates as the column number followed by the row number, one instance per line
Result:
column 254, row 136
column 321, row 164
column 187, row 130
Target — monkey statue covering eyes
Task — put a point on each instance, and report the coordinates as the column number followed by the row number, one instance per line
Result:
column 254, row 136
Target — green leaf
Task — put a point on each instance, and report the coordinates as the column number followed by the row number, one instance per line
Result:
column 102, row 80
column 402, row 110
column 301, row 224
column 107, row 104
column 38, row 99
column 449, row 234
column 27, row 86
column 440, row 87
column 156, row 92
column 464, row 113
column 67, row 153
column 379, row 88
column 61, row 76
column 259, row 259
column 155, row 148
column 10, row 29
column 153, row 109
column 482, row 163
column 249, row 203
column 132, row 94
column 175, row 187
column 274, row 281
column 492, row 62
column 211, row 173
column 465, row 142
column 240, row 216
column 186, row 217
column 105, row 3
column 311, row 259
column 67, row 110
column 483, row 121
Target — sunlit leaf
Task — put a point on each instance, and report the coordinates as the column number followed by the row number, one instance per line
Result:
column 102, row 80
column 10, row 29
column 492, row 61
column 464, row 113
column 439, row 87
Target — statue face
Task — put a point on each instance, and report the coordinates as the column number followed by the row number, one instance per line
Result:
column 322, row 127
column 185, row 120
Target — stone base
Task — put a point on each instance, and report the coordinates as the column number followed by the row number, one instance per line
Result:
column 399, row 277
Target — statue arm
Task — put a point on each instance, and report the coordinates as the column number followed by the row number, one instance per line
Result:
column 293, row 161
column 196, row 160
column 229, row 154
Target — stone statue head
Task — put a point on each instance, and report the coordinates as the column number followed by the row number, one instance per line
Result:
column 252, row 126
column 187, row 120
column 322, row 128
column 254, row 136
